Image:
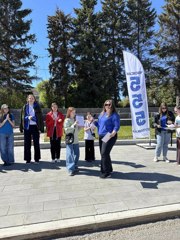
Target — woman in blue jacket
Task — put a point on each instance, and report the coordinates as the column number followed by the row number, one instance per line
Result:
column 108, row 122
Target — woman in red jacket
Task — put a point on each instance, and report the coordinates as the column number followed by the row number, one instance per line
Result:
column 54, row 126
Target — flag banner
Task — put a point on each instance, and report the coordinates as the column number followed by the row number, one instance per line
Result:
column 137, row 95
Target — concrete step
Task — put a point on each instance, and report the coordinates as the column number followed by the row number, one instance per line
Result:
column 18, row 137
column 19, row 143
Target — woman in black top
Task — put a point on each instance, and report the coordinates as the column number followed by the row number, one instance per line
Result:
column 161, row 120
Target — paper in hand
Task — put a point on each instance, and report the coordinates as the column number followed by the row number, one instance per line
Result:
column 80, row 120
column 106, row 137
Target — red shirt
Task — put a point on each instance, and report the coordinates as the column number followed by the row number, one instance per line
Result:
column 50, row 124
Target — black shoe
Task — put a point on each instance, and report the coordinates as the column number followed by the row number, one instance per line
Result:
column 71, row 173
column 76, row 170
column 7, row 164
column 105, row 175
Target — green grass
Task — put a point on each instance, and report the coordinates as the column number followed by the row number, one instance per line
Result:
column 125, row 132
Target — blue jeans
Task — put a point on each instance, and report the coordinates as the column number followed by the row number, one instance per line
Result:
column 72, row 157
column 163, row 140
column 7, row 147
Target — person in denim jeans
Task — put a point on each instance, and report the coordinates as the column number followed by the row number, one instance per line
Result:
column 72, row 150
column 161, row 120
column 6, row 135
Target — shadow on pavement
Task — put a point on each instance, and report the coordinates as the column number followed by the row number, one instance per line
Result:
column 30, row 167
column 131, row 164
column 147, row 180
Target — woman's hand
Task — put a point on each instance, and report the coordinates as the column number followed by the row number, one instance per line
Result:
column 158, row 126
column 75, row 123
column 169, row 122
column 112, row 134
column 7, row 117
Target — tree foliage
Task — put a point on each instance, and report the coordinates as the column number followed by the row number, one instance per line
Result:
column 46, row 93
column 87, row 65
column 89, row 59
column 115, row 36
column 13, row 99
column 168, row 43
column 15, row 52
column 60, row 31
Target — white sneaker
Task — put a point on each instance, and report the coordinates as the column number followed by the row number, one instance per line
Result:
column 58, row 160
column 155, row 159
column 53, row 161
column 166, row 159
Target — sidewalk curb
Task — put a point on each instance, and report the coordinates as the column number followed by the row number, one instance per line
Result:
column 91, row 223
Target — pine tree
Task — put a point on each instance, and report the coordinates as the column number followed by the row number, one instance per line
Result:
column 115, row 28
column 168, row 44
column 15, row 53
column 88, row 55
column 141, row 17
column 61, row 68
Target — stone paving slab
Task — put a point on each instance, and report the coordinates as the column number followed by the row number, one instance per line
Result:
column 31, row 194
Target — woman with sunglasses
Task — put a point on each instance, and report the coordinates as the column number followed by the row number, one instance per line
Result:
column 108, row 122
column 161, row 120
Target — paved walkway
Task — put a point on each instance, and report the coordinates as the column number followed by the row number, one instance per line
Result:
column 31, row 194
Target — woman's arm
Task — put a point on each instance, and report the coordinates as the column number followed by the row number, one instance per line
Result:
column 68, row 127
column 3, row 122
column 116, row 123
column 86, row 127
column 12, row 122
column 156, row 121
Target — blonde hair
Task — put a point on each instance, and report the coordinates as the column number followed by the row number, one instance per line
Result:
column 69, row 111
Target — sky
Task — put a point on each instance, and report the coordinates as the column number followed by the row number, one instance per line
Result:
column 41, row 9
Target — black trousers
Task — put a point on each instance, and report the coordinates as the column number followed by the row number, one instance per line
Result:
column 31, row 133
column 89, row 150
column 55, row 146
column 178, row 151
column 105, row 149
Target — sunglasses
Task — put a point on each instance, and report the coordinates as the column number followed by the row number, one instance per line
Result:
column 107, row 104
column 164, row 108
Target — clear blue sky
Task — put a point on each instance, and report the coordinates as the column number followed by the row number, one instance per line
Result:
column 43, row 8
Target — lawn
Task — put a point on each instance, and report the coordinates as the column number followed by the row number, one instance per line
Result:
column 125, row 132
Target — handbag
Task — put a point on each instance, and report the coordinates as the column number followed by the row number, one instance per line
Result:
column 92, row 133
column 69, row 138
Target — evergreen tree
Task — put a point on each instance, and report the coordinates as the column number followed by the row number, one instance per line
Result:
column 88, row 57
column 115, row 29
column 60, row 49
column 168, row 44
column 15, row 52
column 141, row 17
